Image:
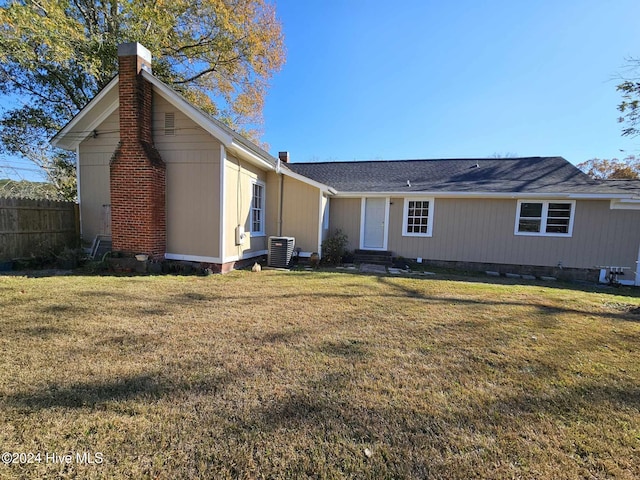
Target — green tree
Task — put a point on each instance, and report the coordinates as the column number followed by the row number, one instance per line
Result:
column 628, row 168
column 630, row 105
column 27, row 189
column 55, row 55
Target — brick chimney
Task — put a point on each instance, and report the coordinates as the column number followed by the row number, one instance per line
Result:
column 137, row 180
column 283, row 156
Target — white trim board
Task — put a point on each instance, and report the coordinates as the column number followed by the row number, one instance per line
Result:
column 192, row 258
column 543, row 219
column 385, row 242
column 223, row 213
column 58, row 138
column 405, row 217
column 246, row 255
column 507, row 195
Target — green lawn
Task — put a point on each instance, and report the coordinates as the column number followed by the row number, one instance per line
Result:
column 326, row 375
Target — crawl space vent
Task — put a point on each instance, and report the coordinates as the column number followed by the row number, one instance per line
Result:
column 169, row 123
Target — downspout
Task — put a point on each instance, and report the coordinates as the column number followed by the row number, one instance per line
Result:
column 281, row 200
column 239, row 204
column 79, row 218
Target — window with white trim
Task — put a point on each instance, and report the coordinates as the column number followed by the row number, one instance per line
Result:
column 257, row 208
column 417, row 220
column 545, row 218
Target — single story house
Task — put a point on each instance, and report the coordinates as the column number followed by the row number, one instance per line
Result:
column 161, row 177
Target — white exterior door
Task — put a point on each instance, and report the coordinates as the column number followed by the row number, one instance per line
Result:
column 374, row 223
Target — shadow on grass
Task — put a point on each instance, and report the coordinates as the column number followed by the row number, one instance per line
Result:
column 89, row 394
column 145, row 387
column 63, row 309
column 573, row 403
column 41, row 331
column 478, row 277
column 329, row 407
column 346, row 348
column 625, row 312
column 129, row 340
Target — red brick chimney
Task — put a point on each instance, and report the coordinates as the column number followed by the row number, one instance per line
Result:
column 138, row 217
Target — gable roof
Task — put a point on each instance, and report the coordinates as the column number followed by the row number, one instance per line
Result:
column 624, row 184
column 106, row 102
column 482, row 176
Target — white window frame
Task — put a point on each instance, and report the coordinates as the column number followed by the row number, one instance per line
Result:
column 544, row 217
column 257, row 233
column 405, row 216
column 325, row 218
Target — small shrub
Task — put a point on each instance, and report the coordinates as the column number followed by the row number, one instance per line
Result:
column 69, row 258
column 334, row 248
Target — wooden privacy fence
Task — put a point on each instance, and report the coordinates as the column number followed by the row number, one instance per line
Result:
column 36, row 227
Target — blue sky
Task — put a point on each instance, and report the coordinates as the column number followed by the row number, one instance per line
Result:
column 372, row 79
column 441, row 79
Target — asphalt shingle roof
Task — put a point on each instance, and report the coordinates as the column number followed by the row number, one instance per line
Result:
column 482, row 175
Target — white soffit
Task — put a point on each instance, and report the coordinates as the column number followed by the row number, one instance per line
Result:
column 71, row 134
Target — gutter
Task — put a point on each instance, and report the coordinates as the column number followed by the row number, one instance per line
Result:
column 509, row 195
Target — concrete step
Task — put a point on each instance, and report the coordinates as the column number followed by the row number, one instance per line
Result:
column 373, row 256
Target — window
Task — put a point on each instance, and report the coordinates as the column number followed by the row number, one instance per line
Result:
column 548, row 218
column 257, row 209
column 418, row 217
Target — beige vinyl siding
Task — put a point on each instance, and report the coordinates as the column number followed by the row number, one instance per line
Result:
column 344, row 214
column 192, row 157
column 301, row 214
column 238, row 178
column 95, row 156
column 482, row 230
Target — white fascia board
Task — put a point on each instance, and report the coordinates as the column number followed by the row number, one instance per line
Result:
column 194, row 113
column 323, row 188
column 600, row 196
column 515, row 195
column 625, row 204
column 205, row 121
column 58, row 139
column 250, row 156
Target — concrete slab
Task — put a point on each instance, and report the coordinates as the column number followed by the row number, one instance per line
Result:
column 372, row 268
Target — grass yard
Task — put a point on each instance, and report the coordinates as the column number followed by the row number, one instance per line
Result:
column 323, row 375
